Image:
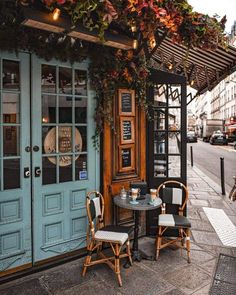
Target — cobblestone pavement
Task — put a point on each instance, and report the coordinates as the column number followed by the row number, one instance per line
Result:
column 170, row 274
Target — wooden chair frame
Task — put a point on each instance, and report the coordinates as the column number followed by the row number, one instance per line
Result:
column 183, row 240
column 96, row 245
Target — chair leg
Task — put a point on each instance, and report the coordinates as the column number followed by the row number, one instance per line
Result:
column 188, row 243
column 158, row 242
column 129, row 252
column 86, row 263
column 117, row 264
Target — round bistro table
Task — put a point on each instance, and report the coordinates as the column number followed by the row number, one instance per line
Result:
column 142, row 205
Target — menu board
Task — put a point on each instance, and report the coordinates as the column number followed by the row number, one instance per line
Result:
column 127, row 130
column 126, row 157
column 126, row 102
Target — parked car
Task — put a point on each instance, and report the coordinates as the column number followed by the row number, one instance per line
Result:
column 218, row 138
column 191, row 136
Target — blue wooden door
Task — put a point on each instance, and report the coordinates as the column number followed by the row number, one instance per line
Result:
column 15, row 180
column 64, row 162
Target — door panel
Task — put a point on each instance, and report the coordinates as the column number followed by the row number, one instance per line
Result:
column 64, row 157
column 15, row 189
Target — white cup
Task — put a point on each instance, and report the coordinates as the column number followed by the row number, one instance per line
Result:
column 153, row 193
column 134, row 193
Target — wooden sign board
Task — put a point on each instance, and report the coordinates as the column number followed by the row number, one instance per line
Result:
column 126, row 158
column 126, row 102
column 127, row 130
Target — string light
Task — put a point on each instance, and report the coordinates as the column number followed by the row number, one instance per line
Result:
column 133, row 27
column 135, row 44
column 152, row 42
column 192, row 82
column 56, row 13
column 170, row 66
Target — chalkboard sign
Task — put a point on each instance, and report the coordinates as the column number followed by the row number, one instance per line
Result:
column 126, row 102
column 126, row 157
column 127, row 130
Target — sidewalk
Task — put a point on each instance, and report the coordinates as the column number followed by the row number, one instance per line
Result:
column 171, row 274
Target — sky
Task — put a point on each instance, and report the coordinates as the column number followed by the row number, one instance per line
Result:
column 220, row 7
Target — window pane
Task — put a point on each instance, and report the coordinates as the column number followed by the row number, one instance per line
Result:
column 174, row 143
column 48, row 109
column 65, row 109
column 80, row 139
column 11, row 141
column 48, row 79
column 160, row 95
column 81, row 167
column 80, row 82
column 174, row 95
column 11, row 173
column 11, row 75
column 65, row 80
column 160, row 166
column 174, row 166
column 65, row 139
column 49, row 170
column 48, row 140
column 11, row 108
column 159, row 119
column 174, row 121
column 80, row 110
column 65, row 169
column 159, row 143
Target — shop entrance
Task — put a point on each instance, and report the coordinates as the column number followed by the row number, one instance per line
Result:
column 47, row 159
column 166, row 143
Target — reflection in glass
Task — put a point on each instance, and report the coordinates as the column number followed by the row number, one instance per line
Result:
column 81, row 168
column 174, row 166
column 80, row 110
column 11, row 141
column 159, row 143
column 65, row 80
column 80, row 82
column 65, row 168
column 11, row 107
column 48, row 109
column 11, row 171
column 64, row 139
column 49, row 170
column 174, row 143
column 48, row 79
column 174, row 92
column 160, row 95
column 48, row 140
column 10, row 75
column 65, row 109
column 159, row 119
column 160, row 167
column 174, row 120
column 81, row 139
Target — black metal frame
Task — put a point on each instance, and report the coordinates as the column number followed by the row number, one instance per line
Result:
column 160, row 77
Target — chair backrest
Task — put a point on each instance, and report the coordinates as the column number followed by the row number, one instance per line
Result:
column 95, row 209
column 173, row 192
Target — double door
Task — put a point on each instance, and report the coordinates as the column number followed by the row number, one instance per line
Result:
column 47, row 159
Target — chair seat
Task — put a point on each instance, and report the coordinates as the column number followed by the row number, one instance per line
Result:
column 118, row 228
column 173, row 220
column 110, row 236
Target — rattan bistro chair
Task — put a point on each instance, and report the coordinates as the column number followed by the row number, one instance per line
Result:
column 173, row 193
column 97, row 234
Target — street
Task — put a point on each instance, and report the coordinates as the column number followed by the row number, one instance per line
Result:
column 207, row 158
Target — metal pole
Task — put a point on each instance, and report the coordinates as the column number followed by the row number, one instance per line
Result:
column 191, row 155
column 222, row 175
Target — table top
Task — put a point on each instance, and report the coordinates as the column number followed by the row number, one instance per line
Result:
column 142, row 204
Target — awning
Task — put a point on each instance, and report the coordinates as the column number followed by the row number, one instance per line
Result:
column 202, row 69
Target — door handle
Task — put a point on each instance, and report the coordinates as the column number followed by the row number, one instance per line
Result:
column 26, row 172
column 37, row 171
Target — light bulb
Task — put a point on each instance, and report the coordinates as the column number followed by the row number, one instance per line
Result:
column 56, row 13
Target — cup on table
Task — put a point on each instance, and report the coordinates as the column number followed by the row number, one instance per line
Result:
column 153, row 194
column 135, row 193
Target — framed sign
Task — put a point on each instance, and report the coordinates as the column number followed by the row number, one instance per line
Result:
column 126, row 158
column 127, row 130
column 126, row 102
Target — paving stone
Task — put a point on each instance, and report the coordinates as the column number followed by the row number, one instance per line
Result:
column 200, row 256
column 208, row 266
column 203, row 237
column 221, row 205
column 172, row 292
column 203, row 291
column 192, row 213
column 208, row 197
column 201, row 225
column 28, row 287
column 189, row 279
column 203, row 215
column 90, row 287
column 200, row 203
